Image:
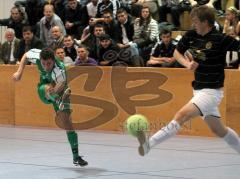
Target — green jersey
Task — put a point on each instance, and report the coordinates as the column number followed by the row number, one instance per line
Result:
column 58, row 73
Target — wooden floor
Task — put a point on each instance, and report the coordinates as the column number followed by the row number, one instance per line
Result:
column 31, row 153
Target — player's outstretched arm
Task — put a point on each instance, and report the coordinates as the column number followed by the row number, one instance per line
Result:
column 18, row 74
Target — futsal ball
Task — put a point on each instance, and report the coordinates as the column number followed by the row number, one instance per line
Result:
column 135, row 123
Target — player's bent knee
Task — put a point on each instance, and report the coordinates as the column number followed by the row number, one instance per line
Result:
column 42, row 94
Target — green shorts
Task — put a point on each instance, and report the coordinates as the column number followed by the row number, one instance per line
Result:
column 42, row 96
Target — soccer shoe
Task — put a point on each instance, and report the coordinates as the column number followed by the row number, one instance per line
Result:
column 144, row 148
column 65, row 95
column 79, row 161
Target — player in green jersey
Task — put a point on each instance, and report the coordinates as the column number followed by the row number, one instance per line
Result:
column 53, row 89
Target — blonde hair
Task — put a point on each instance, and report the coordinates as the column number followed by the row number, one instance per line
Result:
column 234, row 10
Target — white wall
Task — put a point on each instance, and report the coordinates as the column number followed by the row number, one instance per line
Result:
column 5, row 6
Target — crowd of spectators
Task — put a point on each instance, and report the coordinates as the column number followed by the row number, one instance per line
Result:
column 105, row 32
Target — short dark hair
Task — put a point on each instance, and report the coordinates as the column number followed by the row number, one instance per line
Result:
column 121, row 10
column 46, row 54
column 83, row 46
column 67, row 35
column 27, row 28
column 204, row 13
column 166, row 31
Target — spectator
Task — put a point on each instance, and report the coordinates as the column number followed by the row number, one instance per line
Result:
column 109, row 54
column 145, row 33
column 29, row 41
column 162, row 52
column 33, row 9
column 49, row 20
column 57, row 36
column 83, row 59
column 70, row 47
column 232, row 28
column 76, row 18
column 9, row 47
column 125, row 31
column 16, row 21
column 153, row 7
column 60, row 54
column 59, row 5
column 232, row 23
column 92, row 41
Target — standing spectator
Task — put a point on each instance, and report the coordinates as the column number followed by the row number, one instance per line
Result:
column 57, row 36
column 60, row 54
column 76, row 18
column 162, row 52
column 16, row 21
column 83, row 59
column 49, row 20
column 29, row 41
column 9, row 47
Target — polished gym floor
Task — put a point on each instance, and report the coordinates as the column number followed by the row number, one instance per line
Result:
column 31, row 153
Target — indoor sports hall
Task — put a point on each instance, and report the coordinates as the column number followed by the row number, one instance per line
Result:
column 33, row 146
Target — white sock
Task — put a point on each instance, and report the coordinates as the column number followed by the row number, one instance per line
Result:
column 165, row 133
column 232, row 139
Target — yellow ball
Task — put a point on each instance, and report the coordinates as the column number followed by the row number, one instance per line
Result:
column 135, row 123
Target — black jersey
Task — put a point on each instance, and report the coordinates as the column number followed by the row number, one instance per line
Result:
column 210, row 52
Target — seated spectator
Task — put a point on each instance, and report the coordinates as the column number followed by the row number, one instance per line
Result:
column 92, row 41
column 145, row 33
column 70, row 47
column 153, row 7
column 83, row 59
column 162, row 52
column 109, row 23
column 76, row 18
column 57, row 36
column 232, row 28
column 49, row 20
column 60, row 54
column 9, row 47
column 29, row 41
column 110, row 54
column 232, row 23
column 125, row 33
column 16, row 21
